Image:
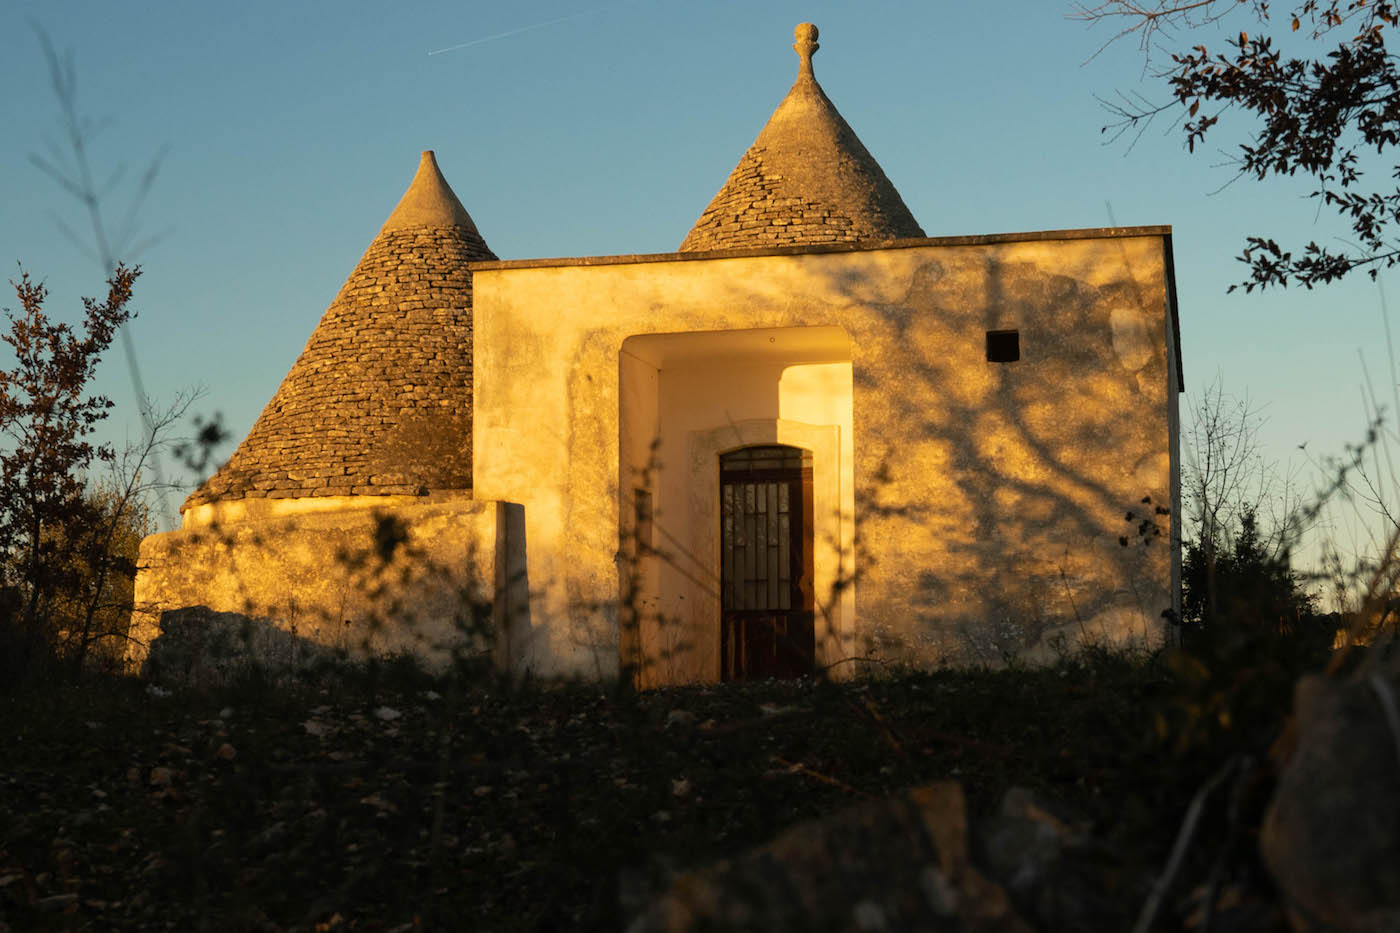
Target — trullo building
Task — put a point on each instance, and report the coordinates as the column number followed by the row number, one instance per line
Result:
column 812, row 437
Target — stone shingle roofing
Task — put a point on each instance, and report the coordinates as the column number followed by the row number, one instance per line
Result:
column 380, row 401
column 806, row 179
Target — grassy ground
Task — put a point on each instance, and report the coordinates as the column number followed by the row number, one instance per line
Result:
column 385, row 801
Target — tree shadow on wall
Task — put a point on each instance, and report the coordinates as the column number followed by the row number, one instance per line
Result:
column 1028, row 502
column 395, row 600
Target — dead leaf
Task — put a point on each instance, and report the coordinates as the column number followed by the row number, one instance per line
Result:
column 379, row 803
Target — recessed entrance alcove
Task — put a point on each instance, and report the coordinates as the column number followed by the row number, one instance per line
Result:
column 705, row 415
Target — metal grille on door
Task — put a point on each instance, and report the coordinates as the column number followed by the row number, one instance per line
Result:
column 766, row 560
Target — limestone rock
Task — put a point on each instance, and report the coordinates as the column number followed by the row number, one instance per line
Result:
column 1056, row 872
column 1331, row 835
column 900, row 865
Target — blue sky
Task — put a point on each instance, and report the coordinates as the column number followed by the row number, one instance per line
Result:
column 293, row 128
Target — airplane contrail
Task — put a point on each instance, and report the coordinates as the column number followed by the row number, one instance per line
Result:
column 532, row 26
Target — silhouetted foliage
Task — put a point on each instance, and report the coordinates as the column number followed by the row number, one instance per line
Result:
column 197, row 453
column 1249, row 626
column 1253, row 587
column 47, row 416
column 1250, row 629
column 96, row 576
column 1323, row 116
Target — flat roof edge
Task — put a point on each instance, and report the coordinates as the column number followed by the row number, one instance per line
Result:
column 1094, row 233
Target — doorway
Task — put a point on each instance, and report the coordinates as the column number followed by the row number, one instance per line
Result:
column 766, row 577
column 684, row 401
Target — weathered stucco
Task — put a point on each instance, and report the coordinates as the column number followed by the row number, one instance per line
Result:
column 454, row 420
column 432, row 576
column 998, row 509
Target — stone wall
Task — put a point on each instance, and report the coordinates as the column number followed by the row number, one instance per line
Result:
column 380, row 401
column 752, row 210
column 807, row 179
column 432, row 577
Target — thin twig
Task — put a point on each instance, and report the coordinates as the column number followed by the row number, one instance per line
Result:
column 797, row 767
column 885, row 728
column 855, row 659
column 1232, row 834
column 1183, row 840
column 1386, row 696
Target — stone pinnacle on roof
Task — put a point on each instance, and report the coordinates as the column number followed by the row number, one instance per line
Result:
column 807, row 179
column 429, row 201
column 380, row 400
column 805, row 45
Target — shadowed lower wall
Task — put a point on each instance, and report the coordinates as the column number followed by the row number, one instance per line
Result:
column 437, row 576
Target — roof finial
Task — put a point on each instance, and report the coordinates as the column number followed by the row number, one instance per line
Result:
column 805, row 47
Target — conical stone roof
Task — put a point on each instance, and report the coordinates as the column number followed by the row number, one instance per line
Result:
column 807, row 179
column 380, row 400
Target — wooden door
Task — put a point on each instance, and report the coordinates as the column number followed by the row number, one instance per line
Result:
column 767, row 620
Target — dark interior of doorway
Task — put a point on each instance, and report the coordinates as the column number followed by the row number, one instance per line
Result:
column 767, row 620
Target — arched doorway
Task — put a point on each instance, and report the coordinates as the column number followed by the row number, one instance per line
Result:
column 766, row 579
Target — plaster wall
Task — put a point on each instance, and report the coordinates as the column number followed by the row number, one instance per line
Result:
column 1174, row 431
column 433, row 578
column 715, row 392
column 992, row 501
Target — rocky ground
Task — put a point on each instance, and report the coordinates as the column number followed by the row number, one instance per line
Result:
column 384, row 800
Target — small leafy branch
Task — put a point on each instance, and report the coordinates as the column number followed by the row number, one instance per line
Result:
column 47, row 417
column 1327, row 115
column 1147, row 525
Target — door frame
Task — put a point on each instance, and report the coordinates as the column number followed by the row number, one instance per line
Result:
column 832, row 531
column 791, row 626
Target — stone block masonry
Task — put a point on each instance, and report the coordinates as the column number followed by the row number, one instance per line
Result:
column 806, row 181
column 380, row 401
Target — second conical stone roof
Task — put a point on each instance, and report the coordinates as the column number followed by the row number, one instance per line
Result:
column 807, row 179
column 380, row 400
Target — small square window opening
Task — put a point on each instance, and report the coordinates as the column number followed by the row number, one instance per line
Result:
column 1003, row 346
